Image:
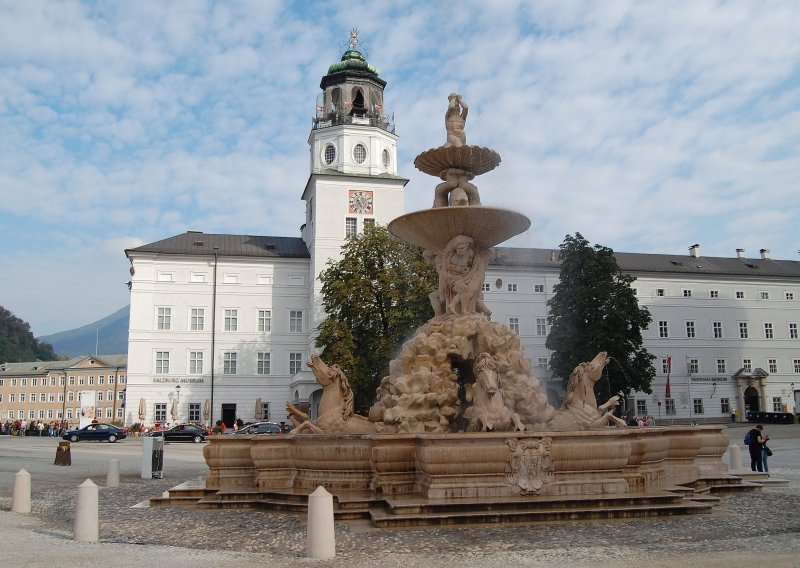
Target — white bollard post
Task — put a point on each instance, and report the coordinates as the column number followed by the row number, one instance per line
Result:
column 86, row 516
column 735, row 457
column 112, row 479
column 320, row 539
column 21, row 500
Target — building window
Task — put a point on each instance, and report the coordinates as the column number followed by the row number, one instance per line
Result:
column 263, row 363
column 486, row 287
column 743, row 333
column 541, row 327
column 22, row 397
column 777, row 404
column 33, row 397
column 789, row 295
column 764, row 295
column 198, row 319
column 669, row 406
column 229, row 363
column 91, row 380
column 100, row 396
column 792, row 330
column 772, row 366
column 768, row 331
column 721, row 366
column 295, row 321
column 511, row 287
column 635, row 291
column 725, row 405
column 231, row 320
column 796, row 364
column 197, row 277
column 687, row 293
column 230, row 279
column 101, row 380
column 194, row 412
column 542, row 362
column 538, row 288
column 350, row 227
column 34, row 381
column 660, row 292
column 690, row 329
column 717, row 329
column 329, row 154
column 641, row 407
column 694, row 366
column 295, row 363
column 360, row 153
column 24, row 382
column 698, row 406
column 160, row 412
column 70, row 396
column 663, row 329
column 165, row 277
column 513, row 324
column 265, row 410
column 195, row 362
column 747, row 365
column 110, row 380
column 264, row 320
column 164, row 318
column 368, row 223
column 386, row 158
column 81, row 381
column 739, row 295
column 665, row 365
column 162, row 362
column 713, row 293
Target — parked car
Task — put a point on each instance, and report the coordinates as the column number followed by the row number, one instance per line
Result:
column 182, row 433
column 96, row 431
column 261, row 428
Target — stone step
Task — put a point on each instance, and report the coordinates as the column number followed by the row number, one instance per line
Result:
column 742, row 487
column 383, row 518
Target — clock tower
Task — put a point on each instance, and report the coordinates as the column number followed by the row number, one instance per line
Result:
column 353, row 180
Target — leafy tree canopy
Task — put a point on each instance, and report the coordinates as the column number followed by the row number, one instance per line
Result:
column 17, row 343
column 376, row 296
column 594, row 309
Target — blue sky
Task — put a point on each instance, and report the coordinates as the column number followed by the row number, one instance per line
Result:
column 646, row 126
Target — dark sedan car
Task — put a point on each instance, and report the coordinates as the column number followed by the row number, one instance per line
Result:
column 261, row 428
column 182, row 433
column 96, row 431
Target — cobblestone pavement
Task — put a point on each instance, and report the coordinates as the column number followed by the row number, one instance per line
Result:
column 743, row 529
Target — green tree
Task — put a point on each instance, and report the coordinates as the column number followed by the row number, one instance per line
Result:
column 594, row 309
column 376, row 296
column 17, row 343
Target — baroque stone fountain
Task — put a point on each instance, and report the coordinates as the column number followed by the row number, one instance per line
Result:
column 460, row 430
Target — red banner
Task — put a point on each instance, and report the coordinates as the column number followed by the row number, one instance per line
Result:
column 667, row 393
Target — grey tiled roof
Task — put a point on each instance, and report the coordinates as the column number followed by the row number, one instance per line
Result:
column 641, row 262
column 199, row 243
column 42, row 367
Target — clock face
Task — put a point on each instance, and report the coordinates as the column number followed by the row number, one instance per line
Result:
column 360, row 201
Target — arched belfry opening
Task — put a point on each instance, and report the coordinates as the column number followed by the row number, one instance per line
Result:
column 359, row 105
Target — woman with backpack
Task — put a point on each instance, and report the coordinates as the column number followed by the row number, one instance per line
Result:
column 756, row 441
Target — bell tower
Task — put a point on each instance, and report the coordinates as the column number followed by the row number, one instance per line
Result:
column 353, row 179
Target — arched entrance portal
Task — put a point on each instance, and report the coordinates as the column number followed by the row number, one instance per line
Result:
column 751, row 402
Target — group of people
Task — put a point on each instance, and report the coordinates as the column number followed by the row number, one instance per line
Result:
column 33, row 428
column 759, row 452
column 641, row 421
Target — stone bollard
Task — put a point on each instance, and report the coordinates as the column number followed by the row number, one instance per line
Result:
column 735, row 457
column 320, row 539
column 112, row 479
column 63, row 455
column 86, row 515
column 21, row 500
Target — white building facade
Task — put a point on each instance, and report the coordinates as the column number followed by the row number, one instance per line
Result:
column 221, row 325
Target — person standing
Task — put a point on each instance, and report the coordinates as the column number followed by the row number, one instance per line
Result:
column 756, row 447
column 765, row 451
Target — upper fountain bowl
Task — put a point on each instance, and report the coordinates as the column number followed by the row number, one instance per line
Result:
column 475, row 160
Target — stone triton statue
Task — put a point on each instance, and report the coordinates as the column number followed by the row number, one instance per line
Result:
column 454, row 120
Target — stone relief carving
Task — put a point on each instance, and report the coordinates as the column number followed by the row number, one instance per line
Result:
column 530, row 466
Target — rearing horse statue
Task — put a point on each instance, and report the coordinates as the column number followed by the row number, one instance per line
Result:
column 489, row 411
column 336, row 414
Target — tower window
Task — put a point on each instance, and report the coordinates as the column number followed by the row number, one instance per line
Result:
column 329, row 155
column 360, row 153
column 387, row 160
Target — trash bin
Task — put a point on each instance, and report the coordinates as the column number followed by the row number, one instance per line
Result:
column 152, row 457
column 63, row 455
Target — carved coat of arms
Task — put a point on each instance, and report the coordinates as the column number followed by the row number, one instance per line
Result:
column 529, row 464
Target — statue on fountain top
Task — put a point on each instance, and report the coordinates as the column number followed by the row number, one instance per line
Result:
column 454, row 120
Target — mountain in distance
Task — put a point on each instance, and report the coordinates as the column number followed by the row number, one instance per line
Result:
column 108, row 335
